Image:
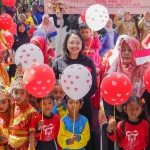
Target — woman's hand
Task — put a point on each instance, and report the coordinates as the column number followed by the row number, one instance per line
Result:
column 112, row 124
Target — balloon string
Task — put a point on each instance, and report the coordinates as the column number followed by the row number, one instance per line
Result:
column 87, row 51
column 42, row 120
column 74, row 116
column 115, row 143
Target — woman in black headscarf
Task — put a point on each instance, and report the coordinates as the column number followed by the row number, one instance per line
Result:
column 19, row 39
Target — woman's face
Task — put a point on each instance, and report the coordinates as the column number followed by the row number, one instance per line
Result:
column 127, row 54
column 21, row 28
column 41, row 10
column 109, row 24
column 74, row 45
column 127, row 16
column 20, row 10
column 22, row 19
column 148, row 16
column 46, row 20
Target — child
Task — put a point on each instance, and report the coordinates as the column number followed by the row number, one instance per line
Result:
column 29, row 20
column 48, row 125
column 33, row 101
column 92, row 45
column 66, row 138
column 4, row 116
column 132, row 133
column 60, row 106
column 22, row 121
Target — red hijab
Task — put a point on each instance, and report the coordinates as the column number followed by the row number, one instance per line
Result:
column 43, row 46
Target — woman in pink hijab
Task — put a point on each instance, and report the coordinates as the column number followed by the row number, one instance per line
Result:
column 41, row 43
column 49, row 28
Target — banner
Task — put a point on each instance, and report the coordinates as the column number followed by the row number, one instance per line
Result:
column 113, row 6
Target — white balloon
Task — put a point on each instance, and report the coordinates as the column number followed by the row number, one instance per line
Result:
column 28, row 54
column 96, row 17
column 80, row 20
column 76, row 81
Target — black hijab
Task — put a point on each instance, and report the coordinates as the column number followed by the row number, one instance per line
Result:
column 20, row 38
column 102, row 32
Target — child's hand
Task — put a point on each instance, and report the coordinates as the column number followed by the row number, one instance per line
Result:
column 75, row 137
column 71, row 141
column 95, row 34
column 59, row 102
column 40, row 124
column 3, row 139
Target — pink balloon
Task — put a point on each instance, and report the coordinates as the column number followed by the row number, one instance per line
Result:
column 147, row 79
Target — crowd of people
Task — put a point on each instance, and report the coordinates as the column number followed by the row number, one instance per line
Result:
column 28, row 122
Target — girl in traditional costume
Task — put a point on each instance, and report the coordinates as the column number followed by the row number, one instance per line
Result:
column 22, row 126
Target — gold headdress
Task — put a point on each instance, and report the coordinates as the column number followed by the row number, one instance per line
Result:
column 17, row 81
column 4, row 94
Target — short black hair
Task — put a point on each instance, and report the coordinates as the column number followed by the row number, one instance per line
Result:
column 50, row 96
column 83, row 26
column 65, row 52
column 67, row 97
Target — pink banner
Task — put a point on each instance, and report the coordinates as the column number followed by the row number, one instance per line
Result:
column 77, row 6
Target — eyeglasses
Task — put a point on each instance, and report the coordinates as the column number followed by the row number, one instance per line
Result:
column 73, row 43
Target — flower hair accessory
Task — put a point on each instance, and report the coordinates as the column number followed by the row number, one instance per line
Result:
column 143, row 101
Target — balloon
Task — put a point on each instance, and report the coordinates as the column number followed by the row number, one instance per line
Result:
column 9, row 3
column 80, row 20
column 39, row 80
column 76, row 81
column 1, row 48
column 96, row 17
column 28, row 54
column 116, row 88
column 13, row 28
column 5, row 21
column 147, row 79
column 9, row 38
column 83, row 16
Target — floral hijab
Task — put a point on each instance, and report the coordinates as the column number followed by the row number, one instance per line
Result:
column 132, row 71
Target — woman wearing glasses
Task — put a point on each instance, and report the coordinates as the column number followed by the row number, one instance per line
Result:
column 72, row 53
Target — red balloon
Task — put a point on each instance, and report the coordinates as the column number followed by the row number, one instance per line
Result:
column 9, row 3
column 5, row 21
column 147, row 79
column 13, row 28
column 83, row 16
column 9, row 39
column 116, row 88
column 39, row 80
column 1, row 48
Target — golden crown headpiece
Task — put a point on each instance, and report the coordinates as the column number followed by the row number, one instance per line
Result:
column 4, row 92
column 17, row 81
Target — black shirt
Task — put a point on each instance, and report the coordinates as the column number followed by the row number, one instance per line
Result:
column 60, row 64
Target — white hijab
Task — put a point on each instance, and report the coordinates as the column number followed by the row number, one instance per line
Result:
column 113, row 58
